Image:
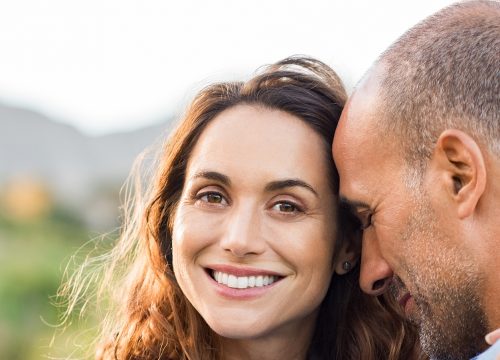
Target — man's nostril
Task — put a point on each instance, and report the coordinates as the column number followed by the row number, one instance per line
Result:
column 378, row 284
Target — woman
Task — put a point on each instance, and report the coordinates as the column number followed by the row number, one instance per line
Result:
column 240, row 251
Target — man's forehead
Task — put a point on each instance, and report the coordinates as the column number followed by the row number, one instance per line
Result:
column 359, row 148
column 365, row 103
column 358, row 126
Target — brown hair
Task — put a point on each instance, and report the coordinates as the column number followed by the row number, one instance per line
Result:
column 444, row 73
column 152, row 319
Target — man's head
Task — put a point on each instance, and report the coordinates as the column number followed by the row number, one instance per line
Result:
column 418, row 152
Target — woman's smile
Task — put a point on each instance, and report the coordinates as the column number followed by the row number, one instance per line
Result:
column 256, row 208
column 239, row 283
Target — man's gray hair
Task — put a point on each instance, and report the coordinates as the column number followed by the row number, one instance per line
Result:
column 444, row 73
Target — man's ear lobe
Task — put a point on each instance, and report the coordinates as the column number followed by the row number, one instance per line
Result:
column 465, row 170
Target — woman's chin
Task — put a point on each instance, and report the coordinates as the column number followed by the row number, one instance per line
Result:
column 238, row 329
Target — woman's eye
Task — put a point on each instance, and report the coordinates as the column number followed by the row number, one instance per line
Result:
column 213, row 198
column 286, row 207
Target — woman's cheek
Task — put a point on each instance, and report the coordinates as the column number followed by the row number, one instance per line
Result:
column 194, row 229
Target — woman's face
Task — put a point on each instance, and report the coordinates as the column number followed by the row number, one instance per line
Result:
column 254, row 231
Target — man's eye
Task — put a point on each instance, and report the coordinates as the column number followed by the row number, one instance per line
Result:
column 365, row 219
column 367, row 222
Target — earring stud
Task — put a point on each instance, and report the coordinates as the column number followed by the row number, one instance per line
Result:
column 347, row 266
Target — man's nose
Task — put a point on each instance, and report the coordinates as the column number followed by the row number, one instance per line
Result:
column 376, row 273
column 243, row 235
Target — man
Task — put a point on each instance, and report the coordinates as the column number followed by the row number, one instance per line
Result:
column 418, row 153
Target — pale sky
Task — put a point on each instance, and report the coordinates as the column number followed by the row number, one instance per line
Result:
column 114, row 65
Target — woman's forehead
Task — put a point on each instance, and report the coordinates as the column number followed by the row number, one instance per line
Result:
column 248, row 140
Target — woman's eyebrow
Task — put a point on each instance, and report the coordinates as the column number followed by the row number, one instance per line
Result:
column 213, row 175
column 281, row 184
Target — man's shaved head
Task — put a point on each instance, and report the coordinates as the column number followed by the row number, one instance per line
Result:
column 444, row 73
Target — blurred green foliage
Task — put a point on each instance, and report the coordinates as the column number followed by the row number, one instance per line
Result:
column 33, row 256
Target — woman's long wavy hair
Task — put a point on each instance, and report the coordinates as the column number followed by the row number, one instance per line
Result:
column 150, row 318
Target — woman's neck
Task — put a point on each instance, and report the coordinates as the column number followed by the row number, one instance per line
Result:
column 289, row 344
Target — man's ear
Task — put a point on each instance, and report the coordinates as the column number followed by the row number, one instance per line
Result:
column 346, row 260
column 461, row 161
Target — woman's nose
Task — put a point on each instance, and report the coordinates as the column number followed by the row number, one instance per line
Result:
column 243, row 234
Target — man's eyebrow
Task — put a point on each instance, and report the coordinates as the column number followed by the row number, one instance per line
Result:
column 281, row 184
column 353, row 204
column 213, row 175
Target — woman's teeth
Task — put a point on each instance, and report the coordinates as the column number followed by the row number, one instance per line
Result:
column 243, row 282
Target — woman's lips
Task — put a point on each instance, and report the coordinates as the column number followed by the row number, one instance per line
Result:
column 242, row 283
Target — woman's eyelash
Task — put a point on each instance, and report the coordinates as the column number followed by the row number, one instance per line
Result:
column 211, row 197
column 286, row 206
